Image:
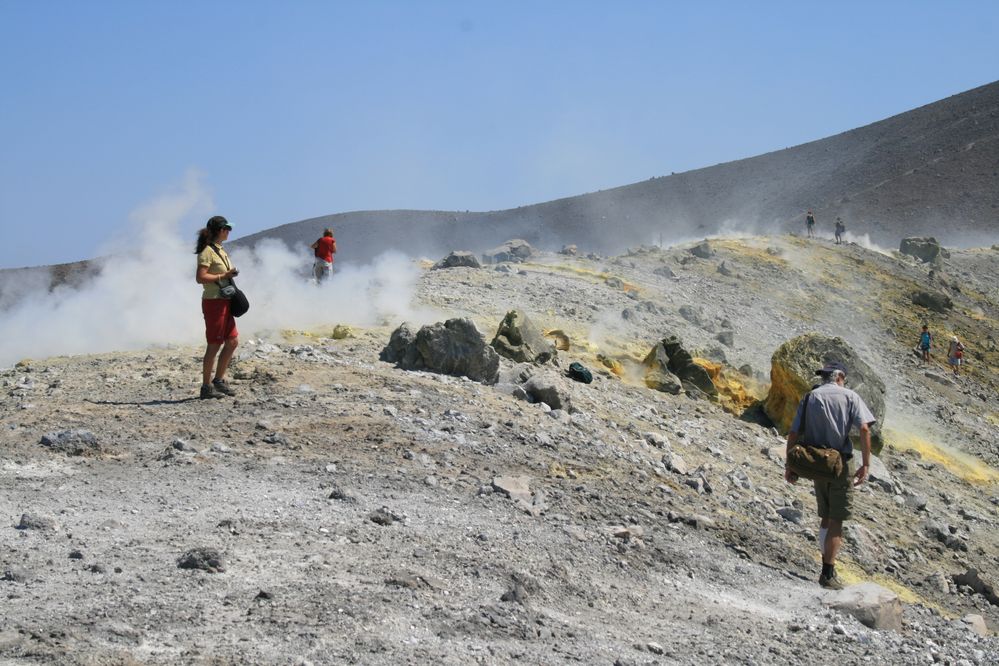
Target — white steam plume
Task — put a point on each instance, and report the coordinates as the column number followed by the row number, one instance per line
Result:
column 144, row 294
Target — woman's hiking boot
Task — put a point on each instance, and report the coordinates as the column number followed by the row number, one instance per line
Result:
column 222, row 386
column 209, row 391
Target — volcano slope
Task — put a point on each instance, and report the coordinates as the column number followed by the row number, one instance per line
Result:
column 352, row 512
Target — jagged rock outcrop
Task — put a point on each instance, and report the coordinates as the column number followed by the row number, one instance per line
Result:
column 515, row 250
column 518, row 339
column 935, row 301
column 980, row 583
column 668, row 363
column 925, row 249
column 454, row 347
column 792, row 374
column 457, row 259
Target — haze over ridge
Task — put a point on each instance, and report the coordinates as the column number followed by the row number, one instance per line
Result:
column 928, row 171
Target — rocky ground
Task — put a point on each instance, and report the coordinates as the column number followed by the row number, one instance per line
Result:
column 341, row 510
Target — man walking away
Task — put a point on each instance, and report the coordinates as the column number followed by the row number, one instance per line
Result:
column 925, row 340
column 840, row 228
column 832, row 411
column 324, row 249
column 810, row 224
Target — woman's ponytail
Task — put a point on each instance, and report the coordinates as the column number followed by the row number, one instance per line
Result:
column 203, row 240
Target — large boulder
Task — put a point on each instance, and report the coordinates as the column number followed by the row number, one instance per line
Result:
column 935, row 301
column 874, row 606
column 454, row 347
column 925, row 249
column 669, row 357
column 457, row 259
column 792, row 374
column 702, row 250
column 515, row 250
column 518, row 339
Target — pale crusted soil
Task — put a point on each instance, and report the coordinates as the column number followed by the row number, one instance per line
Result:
column 615, row 559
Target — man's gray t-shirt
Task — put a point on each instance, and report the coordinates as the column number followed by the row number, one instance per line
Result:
column 832, row 411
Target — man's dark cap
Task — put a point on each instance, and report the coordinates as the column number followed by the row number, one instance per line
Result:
column 831, row 367
column 217, row 224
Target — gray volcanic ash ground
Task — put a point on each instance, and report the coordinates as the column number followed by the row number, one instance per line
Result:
column 342, row 510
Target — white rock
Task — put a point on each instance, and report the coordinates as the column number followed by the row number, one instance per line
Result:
column 874, row 606
column 514, row 487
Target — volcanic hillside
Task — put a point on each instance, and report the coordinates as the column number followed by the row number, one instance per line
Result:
column 342, row 509
column 932, row 171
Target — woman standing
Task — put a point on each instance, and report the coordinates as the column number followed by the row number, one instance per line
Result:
column 955, row 352
column 214, row 271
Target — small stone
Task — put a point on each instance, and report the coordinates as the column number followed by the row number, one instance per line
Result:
column 75, row 555
column 675, row 464
column 72, row 442
column 341, row 495
column 790, row 514
column 32, row 521
column 517, row 594
column 656, row 439
column 181, row 445
column 15, row 575
column 202, row 559
column 383, row 517
column 654, row 648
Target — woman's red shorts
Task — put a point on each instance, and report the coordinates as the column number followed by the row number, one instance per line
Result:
column 220, row 325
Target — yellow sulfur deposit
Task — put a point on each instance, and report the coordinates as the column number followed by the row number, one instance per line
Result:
column 733, row 394
column 611, row 364
column 786, row 390
column 853, row 575
column 958, row 463
column 595, row 276
column 558, row 338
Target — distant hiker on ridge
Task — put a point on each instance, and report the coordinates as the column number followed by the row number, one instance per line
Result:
column 214, row 267
column 810, row 224
column 840, row 228
column 324, row 249
column 833, row 411
column 955, row 352
column 925, row 341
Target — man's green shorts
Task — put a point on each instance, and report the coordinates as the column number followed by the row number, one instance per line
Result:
column 835, row 498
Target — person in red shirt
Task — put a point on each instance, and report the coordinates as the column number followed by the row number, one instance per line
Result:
column 324, row 248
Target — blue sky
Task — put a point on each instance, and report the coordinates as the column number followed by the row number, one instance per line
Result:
column 291, row 110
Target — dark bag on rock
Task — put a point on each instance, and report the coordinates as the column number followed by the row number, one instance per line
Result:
column 813, row 462
column 238, row 303
column 580, row 373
